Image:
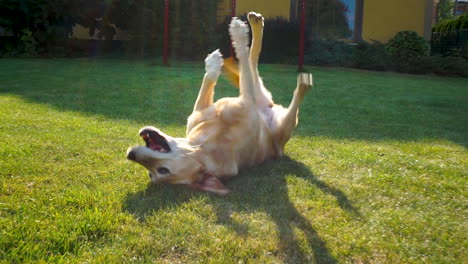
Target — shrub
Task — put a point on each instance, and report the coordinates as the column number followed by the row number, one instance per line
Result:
column 28, row 43
column 371, row 56
column 437, row 64
column 459, row 23
column 329, row 52
column 25, row 46
column 37, row 25
column 407, row 47
column 362, row 55
column 445, row 65
column 8, row 47
column 375, row 56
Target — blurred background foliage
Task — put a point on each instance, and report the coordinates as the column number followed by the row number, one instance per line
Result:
column 45, row 28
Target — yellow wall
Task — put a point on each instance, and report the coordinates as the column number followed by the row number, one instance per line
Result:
column 384, row 18
column 268, row 8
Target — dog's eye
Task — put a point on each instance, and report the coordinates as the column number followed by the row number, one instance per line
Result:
column 163, row 170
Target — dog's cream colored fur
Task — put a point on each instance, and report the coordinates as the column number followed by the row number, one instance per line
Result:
column 230, row 134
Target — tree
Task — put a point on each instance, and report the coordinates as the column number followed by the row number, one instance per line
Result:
column 445, row 10
column 50, row 21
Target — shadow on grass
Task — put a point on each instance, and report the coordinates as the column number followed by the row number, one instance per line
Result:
column 342, row 104
column 261, row 189
column 115, row 89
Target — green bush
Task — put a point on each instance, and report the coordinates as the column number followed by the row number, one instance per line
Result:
column 38, row 25
column 407, row 47
column 25, row 46
column 362, row 55
column 445, row 65
column 329, row 52
column 8, row 47
column 376, row 56
column 446, row 26
column 28, row 43
column 50, row 22
column 436, row 64
column 371, row 56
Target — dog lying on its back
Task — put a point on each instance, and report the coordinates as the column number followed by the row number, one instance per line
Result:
column 227, row 135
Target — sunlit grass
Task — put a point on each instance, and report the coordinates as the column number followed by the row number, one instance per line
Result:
column 376, row 172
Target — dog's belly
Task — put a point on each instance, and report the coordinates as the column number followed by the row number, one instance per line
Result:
column 267, row 115
column 272, row 116
column 232, row 136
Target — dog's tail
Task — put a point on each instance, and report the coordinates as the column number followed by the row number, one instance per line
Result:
column 231, row 71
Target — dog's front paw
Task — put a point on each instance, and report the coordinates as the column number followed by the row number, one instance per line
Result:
column 239, row 35
column 213, row 64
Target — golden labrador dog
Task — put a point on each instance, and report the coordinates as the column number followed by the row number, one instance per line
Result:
column 230, row 134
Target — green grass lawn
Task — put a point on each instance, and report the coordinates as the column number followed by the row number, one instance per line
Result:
column 376, row 172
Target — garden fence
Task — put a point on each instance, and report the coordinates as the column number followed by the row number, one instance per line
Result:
column 449, row 42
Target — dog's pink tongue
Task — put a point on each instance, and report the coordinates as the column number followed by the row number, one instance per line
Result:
column 155, row 146
column 212, row 184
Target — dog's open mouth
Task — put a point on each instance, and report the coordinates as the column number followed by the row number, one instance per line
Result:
column 155, row 141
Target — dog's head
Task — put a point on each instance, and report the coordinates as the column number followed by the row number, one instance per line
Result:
column 173, row 160
column 168, row 159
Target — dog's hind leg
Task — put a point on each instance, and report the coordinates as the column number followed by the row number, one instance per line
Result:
column 238, row 31
column 263, row 96
column 288, row 121
column 256, row 24
column 213, row 64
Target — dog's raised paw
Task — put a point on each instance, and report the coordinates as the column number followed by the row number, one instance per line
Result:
column 304, row 81
column 255, row 19
column 238, row 29
column 213, row 63
column 239, row 35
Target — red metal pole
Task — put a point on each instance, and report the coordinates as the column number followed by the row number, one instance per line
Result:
column 233, row 8
column 301, row 37
column 233, row 14
column 166, row 31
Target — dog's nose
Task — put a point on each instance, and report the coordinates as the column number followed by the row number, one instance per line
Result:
column 131, row 155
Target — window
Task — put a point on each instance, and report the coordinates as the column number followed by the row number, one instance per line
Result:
column 350, row 13
column 336, row 19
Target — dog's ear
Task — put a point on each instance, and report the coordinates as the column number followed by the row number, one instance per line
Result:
column 231, row 71
column 211, row 184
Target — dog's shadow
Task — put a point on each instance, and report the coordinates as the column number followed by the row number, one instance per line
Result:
column 260, row 189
